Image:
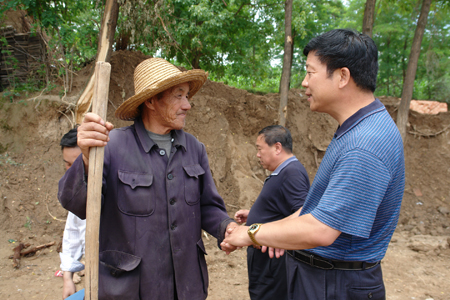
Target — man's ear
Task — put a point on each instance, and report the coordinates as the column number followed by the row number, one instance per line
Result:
column 149, row 103
column 278, row 147
column 344, row 77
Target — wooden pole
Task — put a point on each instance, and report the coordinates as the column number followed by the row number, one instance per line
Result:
column 105, row 42
column 93, row 206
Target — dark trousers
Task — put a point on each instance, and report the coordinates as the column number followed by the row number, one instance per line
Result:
column 266, row 276
column 306, row 282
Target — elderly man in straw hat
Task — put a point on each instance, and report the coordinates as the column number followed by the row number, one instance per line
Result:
column 158, row 192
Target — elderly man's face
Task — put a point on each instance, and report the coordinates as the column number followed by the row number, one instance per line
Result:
column 266, row 153
column 172, row 109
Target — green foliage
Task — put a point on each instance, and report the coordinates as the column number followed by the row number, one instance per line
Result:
column 18, row 88
column 72, row 26
column 319, row 17
column 10, row 63
column 269, row 85
column 241, row 42
column 238, row 41
column 9, row 95
column 393, row 32
column 72, row 31
column 432, row 78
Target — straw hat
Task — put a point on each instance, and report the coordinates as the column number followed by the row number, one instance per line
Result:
column 153, row 76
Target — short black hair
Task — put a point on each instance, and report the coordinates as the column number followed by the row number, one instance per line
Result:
column 69, row 139
column 341, row 48
column 277, row 134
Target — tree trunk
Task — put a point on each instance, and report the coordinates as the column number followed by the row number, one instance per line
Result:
column 123, row 40
column 195, row 63
column 105, row 42
column 404, row 60
column 294, row 33
column 286, row 73
column 369, row 17
column 408, row 84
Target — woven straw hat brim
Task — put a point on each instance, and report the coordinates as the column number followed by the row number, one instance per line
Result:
column 129, row 109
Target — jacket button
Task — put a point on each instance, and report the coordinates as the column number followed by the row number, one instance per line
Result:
column 172, row 201
column 369, row 295
column 170, row 176
column 162, row 152
column 173, row 226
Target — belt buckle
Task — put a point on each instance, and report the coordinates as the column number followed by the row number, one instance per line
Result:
column 311, row 262
column 370, row 267
column 327, row 262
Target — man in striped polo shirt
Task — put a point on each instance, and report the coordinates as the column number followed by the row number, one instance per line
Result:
column 354, row 202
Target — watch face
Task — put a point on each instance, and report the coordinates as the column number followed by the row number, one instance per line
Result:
column 253, row 227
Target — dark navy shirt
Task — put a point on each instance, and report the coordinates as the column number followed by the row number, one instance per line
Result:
column 283, row 193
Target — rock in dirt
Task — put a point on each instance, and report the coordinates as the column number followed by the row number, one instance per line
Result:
column 443, row 210
column 427, row 243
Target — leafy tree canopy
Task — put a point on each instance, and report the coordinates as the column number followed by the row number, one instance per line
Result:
column 241, row 42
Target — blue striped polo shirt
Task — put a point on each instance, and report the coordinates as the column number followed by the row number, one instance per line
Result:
column 359, row 186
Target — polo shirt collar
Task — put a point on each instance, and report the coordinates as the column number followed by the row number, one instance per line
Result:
column 147, row 143
column 281, row 167
column 374, row 107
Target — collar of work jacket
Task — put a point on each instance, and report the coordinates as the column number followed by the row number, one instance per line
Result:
column 179, row 138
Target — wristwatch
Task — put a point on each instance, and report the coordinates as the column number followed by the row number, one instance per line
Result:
column 252, row 230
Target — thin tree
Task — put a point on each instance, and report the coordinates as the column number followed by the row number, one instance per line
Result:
column 369, row 17
column 408, row 83
column 287, row 58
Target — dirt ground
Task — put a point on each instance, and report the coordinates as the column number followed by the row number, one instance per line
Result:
column 226, row 120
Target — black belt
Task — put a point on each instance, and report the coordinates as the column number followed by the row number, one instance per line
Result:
column 327, row 264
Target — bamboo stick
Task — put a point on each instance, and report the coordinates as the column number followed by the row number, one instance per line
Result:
column 93, row 206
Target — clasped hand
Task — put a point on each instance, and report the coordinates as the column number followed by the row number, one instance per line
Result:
column 237, row 237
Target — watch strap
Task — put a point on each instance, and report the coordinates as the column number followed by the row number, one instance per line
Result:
column 251, row 233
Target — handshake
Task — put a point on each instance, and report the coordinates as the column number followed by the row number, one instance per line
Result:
column 238, row 236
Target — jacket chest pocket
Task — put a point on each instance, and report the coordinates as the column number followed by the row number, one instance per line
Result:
column 136, row 194
column 192, row 183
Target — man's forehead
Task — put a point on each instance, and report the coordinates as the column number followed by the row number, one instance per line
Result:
column 260, row 139
column 312, row 60
column 182, row 86
column 309, row 64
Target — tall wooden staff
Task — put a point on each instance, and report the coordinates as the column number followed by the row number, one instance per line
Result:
column 93, row 206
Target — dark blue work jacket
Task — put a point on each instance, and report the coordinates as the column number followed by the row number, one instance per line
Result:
column 153, row 211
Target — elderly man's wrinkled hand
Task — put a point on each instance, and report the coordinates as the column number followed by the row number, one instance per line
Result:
column 225, row 246
column 237, row 237
column 93, row 132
